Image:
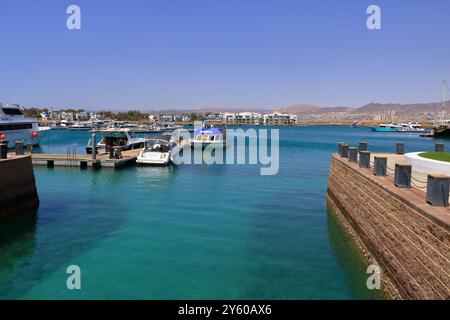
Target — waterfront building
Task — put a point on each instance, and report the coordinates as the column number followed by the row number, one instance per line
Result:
column 279, row 119
column 229, row 117
column 81, row 116
column 248, row 118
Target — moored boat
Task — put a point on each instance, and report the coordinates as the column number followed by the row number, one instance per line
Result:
column 14, row 126
column 124, row 139
column 156, row 152
column 209, row 136
column 386, row 128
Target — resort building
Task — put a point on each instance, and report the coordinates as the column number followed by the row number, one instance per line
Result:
column 248, row 118
column 229, row 117
column 279, row 119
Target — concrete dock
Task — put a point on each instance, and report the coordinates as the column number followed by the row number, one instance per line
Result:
column 395, row 228
column 18, row 185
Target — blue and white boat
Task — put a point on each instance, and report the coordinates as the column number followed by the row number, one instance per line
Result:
column 208, row 136
column 387, row 128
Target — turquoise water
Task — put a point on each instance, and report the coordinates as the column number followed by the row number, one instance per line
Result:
column 190, row 232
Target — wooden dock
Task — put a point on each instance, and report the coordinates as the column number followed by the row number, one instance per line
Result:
column 84, row 160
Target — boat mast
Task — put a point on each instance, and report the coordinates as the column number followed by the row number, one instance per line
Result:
column 444, row 100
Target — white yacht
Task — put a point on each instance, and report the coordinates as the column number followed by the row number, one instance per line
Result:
column 156, row 152
column 121, row 137
column 81, row 126
column 14, row 126
column 411, row 127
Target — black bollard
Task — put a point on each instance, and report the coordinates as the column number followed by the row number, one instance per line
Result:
column 403, row 173
column 112, row 153
column 353, row 154
column 439, row 147
column 96, row 164
column 363, row 146
column 344, row 151
column 29, row 148
column 3, row 149
column 438, row 190
column 339, row 146
column 118, row 153
column 400, row 148
column 380, row 166
column 19, row 148
column 364, row 159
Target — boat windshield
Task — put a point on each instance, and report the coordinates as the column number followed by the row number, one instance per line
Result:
column 157, row 146
column 12, row 111
column 132, row 134
column 114, row 134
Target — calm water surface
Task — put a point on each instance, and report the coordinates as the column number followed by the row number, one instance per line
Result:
column 190, row 232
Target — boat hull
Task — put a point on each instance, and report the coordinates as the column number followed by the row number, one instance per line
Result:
column 153, row 159
column 381, row 129
column 442, row 132
column 24, row 135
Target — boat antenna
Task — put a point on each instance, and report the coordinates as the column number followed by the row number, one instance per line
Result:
column 440, row 111
column 444, row 100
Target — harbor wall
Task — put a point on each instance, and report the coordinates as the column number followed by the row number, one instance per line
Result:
column 402, row 238
column 18, row 187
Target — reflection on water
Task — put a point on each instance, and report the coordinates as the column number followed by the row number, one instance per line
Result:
column 191, row 231
column 350, row 258
column 17, row 243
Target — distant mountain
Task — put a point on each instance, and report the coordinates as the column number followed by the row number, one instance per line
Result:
column 400, row 108
column 371, row 108
column 300, row 108
column 335, row 109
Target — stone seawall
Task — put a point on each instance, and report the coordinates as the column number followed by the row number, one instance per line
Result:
column 18, row 187
column 407, row 238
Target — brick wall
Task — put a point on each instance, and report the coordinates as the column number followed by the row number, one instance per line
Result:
column 412, row 250
column 17, row 184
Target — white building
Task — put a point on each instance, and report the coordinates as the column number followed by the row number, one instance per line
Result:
column 229, row 117
column 248, row 118
column 279, row 119
column 81, row 116
column 95, row 116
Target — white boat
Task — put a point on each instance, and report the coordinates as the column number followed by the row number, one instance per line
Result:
column 411, row 127
column 169, row 127
column 386, row 128
column 111, row 138
column 156, row 152
column 59, row 126
column 81, row 127
column 15, row 127
column 208, row 135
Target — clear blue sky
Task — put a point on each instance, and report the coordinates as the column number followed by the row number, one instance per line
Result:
column 150, row 54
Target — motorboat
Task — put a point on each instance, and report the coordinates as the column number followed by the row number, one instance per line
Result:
column 386, row 128
column 411, row 127
column 125, row 139
column 156, row 152
column 81, row 127
column 209, row 135
column 14, row 126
